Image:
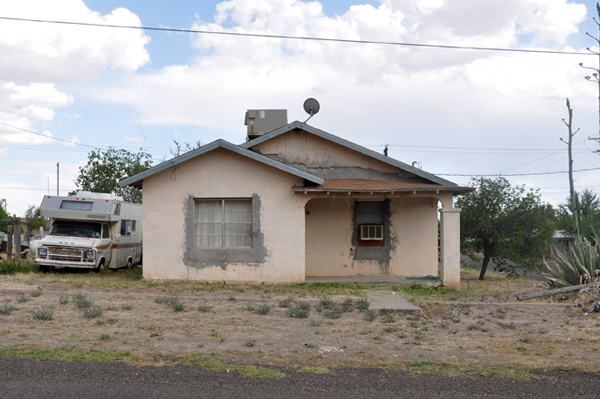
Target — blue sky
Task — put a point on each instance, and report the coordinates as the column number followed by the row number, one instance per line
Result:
column 455, row 112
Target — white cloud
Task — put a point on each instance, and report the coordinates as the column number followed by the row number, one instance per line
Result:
column 44, row 52
column 3, row 151
column 73, row 141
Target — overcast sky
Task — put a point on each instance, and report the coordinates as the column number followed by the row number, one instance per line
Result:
column 456, row 112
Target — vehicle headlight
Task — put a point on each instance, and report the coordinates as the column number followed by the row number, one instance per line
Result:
column 89, row 255
column 42, row 251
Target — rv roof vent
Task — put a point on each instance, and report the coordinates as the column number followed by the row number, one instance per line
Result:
column 261, row 121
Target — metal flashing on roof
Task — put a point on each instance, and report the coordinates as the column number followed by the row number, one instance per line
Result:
column 138, row 178
column 348, row 144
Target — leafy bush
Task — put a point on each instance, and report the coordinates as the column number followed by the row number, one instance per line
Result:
column 204, row 308
column 172, row 302
column 45, row 313
column 35, row 293
column 7, row 308
column 577, row 265
column 92, row 312
column 82, row 302
column 264, row 309
column 22, row 298
column 363, row 304
column 15, row 265
column 299, row 311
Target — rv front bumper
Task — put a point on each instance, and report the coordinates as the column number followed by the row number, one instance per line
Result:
column 66, row 257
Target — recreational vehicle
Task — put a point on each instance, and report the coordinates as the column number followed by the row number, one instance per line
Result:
column 90, row 231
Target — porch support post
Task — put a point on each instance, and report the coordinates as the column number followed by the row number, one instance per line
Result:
column 450, row 247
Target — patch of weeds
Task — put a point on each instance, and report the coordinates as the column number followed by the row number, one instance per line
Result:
column 249, row 307
column 205, row 308
column 365, row 332
column 526, row 340
column 286, row 303
column 45, row 313
column 325, row 302
column 315, row 322
column 110, row 308
column 200, row 345
column 263, row 309
column 15, row 265
column 390, row 329
column 126, row 306
column 420, row 336
column 401, row 335
column 319, row 307
column 100, row 321
column 105, row 337
column 542, row 331
column 113, row 321
column 82, row 302
column 347, row 305
column 22, row 298
column 231, row 298
column 93, row 312
column 35, row 293
column 173, row 302
column 23, row 335
column 370, row 315
column 240, row 289
column 250, row 342
column 300, row 310
column 311, row 345
column 388, row 318
column 362, row 304
column 263, row 296
column 63, row 300
column 214, row 333
column 334, row 312
column 511, row 325
column 499, row 314
column 377, row 337
column 478, row 326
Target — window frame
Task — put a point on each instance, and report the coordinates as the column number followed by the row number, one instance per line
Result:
column 223, row 223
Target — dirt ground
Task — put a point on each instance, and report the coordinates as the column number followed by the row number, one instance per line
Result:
column 481, row 325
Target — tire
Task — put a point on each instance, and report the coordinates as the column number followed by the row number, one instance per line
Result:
column 129, row 263
column 99, row 267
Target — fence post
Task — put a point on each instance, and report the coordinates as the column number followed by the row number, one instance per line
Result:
column 17, row 223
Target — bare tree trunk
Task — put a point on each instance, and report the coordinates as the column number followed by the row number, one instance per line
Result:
column 487, row 255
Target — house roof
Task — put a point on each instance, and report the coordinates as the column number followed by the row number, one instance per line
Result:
column 136, row 180
column 350, row 145
column 372, row 186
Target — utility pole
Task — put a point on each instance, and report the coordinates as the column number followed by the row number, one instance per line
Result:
column 571, row 182
column 57, row 178
column 595, row 77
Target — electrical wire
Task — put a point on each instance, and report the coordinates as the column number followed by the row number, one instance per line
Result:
column 516, row 174
column 48, row 137
column 322, row 39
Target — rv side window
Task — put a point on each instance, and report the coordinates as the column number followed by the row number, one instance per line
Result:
column 105, row 231
column 76, row 205
column 118, row 209
column 125, row 227
column 133, row 223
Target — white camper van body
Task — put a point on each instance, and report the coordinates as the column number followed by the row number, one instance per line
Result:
column 90, row 231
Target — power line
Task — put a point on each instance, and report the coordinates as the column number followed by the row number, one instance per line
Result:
column 48, row 137
column 516, row 174
column 322, row 39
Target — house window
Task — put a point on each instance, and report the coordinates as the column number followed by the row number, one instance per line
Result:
column 370, row 218
column 223, row 223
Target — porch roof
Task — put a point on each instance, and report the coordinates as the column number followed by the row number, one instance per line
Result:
column 371, row 186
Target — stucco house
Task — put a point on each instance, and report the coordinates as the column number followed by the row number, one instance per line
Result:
column 293, row 203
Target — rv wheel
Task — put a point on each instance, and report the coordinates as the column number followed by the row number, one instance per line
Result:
column 100, row 266
column 129, row 263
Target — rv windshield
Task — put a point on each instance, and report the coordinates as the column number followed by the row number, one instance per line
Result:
column 76, row 229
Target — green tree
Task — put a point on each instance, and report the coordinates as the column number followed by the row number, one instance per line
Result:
column 34, row 220
column 105, row 168
column 588, row 215
column 3, row 215
column 506, row 224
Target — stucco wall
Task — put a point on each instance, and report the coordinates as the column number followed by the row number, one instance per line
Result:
column 413, row 238
column 223, row 174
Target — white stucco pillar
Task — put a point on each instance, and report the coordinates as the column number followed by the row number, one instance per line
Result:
column 450, row 247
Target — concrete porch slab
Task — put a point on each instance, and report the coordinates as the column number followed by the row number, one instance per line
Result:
column 380, row 279
column 389, row 300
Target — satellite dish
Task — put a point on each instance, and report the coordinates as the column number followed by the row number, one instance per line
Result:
column 312, row 107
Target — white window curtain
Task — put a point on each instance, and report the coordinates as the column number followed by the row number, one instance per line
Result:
column 223, row 223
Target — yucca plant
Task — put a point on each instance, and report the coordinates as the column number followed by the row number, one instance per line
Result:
column 577, row 265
